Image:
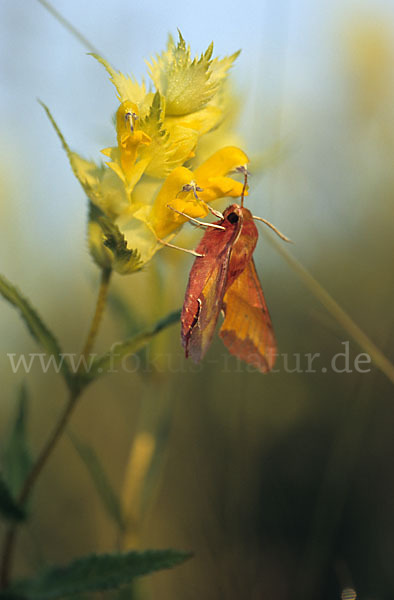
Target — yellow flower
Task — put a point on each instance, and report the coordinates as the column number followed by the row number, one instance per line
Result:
column 157, row 134
column 190, row 192
column 130, row 140
column 184, row 190
column 145, row 145
column 190, row 101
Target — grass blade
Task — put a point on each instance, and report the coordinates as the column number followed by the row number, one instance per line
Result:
column 17, row 458
column 36, row 326
column 340, row 315
column 100, row 480
column 69, row 26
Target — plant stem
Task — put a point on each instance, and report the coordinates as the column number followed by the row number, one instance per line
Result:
column 100, row 305
column 75, row 393
column 70, row 27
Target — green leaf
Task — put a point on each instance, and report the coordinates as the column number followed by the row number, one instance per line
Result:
column 101, row 185
column 96, row 572
column 122, row 259
column 9, row 509
column 36, row 326
column 17, row 458
column 152, row 124
column 108, row 362
column 188, row 84
column 127, row 87
column 100, row 480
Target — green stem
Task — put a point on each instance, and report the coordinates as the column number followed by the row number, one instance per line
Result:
column 69, row 26
column 75, row 393
column 100, row 305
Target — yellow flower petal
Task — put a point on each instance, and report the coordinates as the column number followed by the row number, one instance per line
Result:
column 126, row 118
column 219, row 164
column 130, row 138
column 164, row 220
column 125, row 156
column 210, row 177
column 220, row 187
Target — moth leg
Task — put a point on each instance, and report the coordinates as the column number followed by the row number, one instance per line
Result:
column 281, row 235
column 198, row 223
column 215, row 212
column 179, row 248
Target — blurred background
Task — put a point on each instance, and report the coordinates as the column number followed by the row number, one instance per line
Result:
column 283, row 484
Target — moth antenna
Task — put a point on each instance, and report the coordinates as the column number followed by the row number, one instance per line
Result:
column 244, row 170
column 281, row 235
column 179, row 248
column 196, row 221
column 244, row 188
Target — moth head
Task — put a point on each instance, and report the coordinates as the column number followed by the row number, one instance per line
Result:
column 233, row 217
column 234, row 213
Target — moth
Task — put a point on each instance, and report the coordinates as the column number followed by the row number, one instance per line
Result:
column 223, row 279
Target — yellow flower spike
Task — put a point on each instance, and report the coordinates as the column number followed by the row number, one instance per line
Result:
column 145, row 146
column 190, row 101
column 190, row 192
column 158, row 132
